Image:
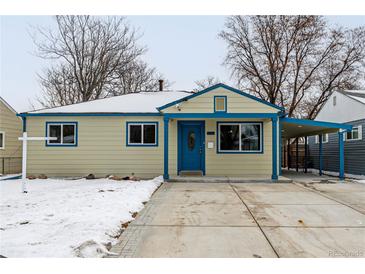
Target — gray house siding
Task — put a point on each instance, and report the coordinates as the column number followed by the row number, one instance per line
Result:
column 354, row 153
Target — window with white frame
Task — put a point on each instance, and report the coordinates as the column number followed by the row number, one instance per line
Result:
column 354, row 134
column 324, row 138
column 65, row 133
column 2, row 139
column 142, row 134
column 240, row 137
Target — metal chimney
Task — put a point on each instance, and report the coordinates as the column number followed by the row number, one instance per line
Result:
column 160, row 85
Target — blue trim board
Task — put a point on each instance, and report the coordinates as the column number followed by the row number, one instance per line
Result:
column 24, row 120
column 145, row 123
column 315, row 123
column 86, row 114
column 63, row 123
column 225, row 103
column 274, row 175
column 166, row 148
column 168, row 115
column 220, row 85
column 179, row 142
column 280, row 146
column 221, row 115
column 240, row 152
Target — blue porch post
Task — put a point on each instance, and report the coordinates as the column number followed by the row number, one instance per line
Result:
column 166, row 148
column 320, row 154
column 280, row 147
column 274, row 121
column 342, row 155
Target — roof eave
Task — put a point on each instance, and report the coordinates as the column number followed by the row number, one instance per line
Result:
column 25, row 114
column 218, row 86
column 316, row 123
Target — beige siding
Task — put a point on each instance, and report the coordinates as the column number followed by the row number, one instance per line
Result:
column 236, row 103
column 11, row 125
column 102, row 146
column 101, row 149
column 222, row 164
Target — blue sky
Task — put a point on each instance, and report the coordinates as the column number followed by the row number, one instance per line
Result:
column 183, row 48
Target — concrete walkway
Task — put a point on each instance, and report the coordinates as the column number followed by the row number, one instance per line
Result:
column 249, row 220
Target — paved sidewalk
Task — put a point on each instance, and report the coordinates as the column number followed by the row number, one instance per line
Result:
column 249, row 220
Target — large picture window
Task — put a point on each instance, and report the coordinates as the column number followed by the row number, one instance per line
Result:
column 142, row 133
column 240, row 137
column 65, row 133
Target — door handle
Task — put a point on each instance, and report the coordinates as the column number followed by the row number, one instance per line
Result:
column 200, row 150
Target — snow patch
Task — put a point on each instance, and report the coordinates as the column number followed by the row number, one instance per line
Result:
column 67, row 218
column 9, row 176
column 141, row 102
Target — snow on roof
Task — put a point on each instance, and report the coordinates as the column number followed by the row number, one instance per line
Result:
column 358, row 95
column 362, row 100
column 141, row 102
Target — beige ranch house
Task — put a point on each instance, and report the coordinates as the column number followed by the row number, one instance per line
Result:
column 219, row 131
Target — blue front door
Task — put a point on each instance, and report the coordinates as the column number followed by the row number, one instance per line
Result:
column 191, row 146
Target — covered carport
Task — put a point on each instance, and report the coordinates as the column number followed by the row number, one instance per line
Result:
column 295, row 128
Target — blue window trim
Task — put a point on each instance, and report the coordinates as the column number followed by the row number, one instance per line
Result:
column 240, row 152
column 62, row 123
column 179, row 142
column 225, row 103
column 144, row 123
column 220, row 85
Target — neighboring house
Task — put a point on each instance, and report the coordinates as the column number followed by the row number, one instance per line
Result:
column 220, row 131
column 10, row 146
column 345, row 107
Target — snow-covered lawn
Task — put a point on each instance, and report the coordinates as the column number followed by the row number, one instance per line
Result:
column 56, row 217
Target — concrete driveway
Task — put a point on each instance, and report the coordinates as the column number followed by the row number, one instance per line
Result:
column 249, row 220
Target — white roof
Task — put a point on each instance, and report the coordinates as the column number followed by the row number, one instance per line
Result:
column 358, row 95
column 141, row 102
column 362, row 100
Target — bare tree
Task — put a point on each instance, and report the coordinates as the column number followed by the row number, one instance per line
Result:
column 136, row 76
column 92, row 53
column 205, row 83
column 293, row 61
